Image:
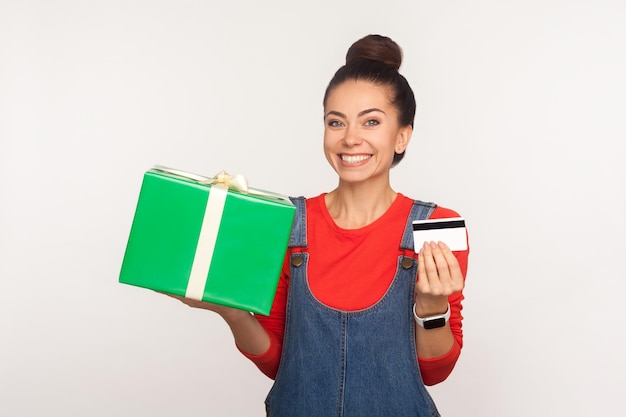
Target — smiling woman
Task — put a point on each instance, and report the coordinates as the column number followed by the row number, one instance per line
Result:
column 362, row 132
column 362, row 319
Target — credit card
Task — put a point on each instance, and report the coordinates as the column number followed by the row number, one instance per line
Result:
column 450, row 231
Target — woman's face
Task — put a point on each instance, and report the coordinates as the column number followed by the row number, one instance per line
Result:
column 361, row 131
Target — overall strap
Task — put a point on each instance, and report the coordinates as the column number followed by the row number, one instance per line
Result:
column 419, row 211
column 298, row 230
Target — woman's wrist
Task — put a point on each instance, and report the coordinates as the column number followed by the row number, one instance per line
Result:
column 425, row 308
column 232, row 315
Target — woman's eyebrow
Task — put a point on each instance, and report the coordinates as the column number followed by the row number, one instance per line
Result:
column 361, row 113
column 335, row 113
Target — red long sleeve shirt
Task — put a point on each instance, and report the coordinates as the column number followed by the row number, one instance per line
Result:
column 351, row 269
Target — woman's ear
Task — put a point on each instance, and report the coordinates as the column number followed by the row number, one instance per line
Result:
column 404, row 137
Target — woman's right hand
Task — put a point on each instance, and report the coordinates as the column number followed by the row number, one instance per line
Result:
column 224, row 311
column 249, row 335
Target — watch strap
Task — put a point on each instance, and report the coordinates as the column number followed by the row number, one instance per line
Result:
column 432, row 322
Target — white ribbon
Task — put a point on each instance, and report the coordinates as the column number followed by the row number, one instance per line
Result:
column 206, row 242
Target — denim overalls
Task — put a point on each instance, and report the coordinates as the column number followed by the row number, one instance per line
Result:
column 350, row 363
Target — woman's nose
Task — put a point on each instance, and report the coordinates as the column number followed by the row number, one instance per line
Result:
column 351, row 137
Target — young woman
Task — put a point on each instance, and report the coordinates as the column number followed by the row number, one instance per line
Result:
column 346, row 335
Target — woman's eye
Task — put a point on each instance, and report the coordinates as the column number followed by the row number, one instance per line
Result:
column 335, row 123
column 372, row 122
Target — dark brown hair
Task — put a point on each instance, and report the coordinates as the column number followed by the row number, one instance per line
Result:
column 377, row 59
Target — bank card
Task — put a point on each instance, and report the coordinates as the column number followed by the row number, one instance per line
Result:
column 450, row 231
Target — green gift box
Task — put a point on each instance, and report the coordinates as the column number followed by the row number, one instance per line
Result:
column 209, row 239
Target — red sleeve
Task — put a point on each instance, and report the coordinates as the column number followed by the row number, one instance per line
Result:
column 436, row 370
column 274, row 325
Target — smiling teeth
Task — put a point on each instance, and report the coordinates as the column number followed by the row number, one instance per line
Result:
column 353, row 159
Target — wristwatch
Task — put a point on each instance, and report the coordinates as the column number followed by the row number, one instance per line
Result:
column 432, row 322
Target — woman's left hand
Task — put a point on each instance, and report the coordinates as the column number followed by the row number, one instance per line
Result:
column 438, row 276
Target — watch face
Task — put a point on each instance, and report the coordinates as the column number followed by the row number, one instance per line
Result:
column 434, row 323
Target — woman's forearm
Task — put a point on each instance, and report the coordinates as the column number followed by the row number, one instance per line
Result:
column 433, row 343
column 249, row 335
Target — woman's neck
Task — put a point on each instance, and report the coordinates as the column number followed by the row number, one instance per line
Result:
column 353, row 206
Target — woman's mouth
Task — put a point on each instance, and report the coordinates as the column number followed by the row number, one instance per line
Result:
column 354, row 159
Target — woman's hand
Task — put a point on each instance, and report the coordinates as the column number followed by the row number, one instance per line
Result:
column 438, row 276
column 249, row 335
column 219, row 309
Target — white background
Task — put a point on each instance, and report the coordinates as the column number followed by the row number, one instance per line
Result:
column 520, row 128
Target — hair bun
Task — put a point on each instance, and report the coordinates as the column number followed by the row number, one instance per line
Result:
column 375, row 48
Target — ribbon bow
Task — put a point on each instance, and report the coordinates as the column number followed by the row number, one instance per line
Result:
column 235, row 182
